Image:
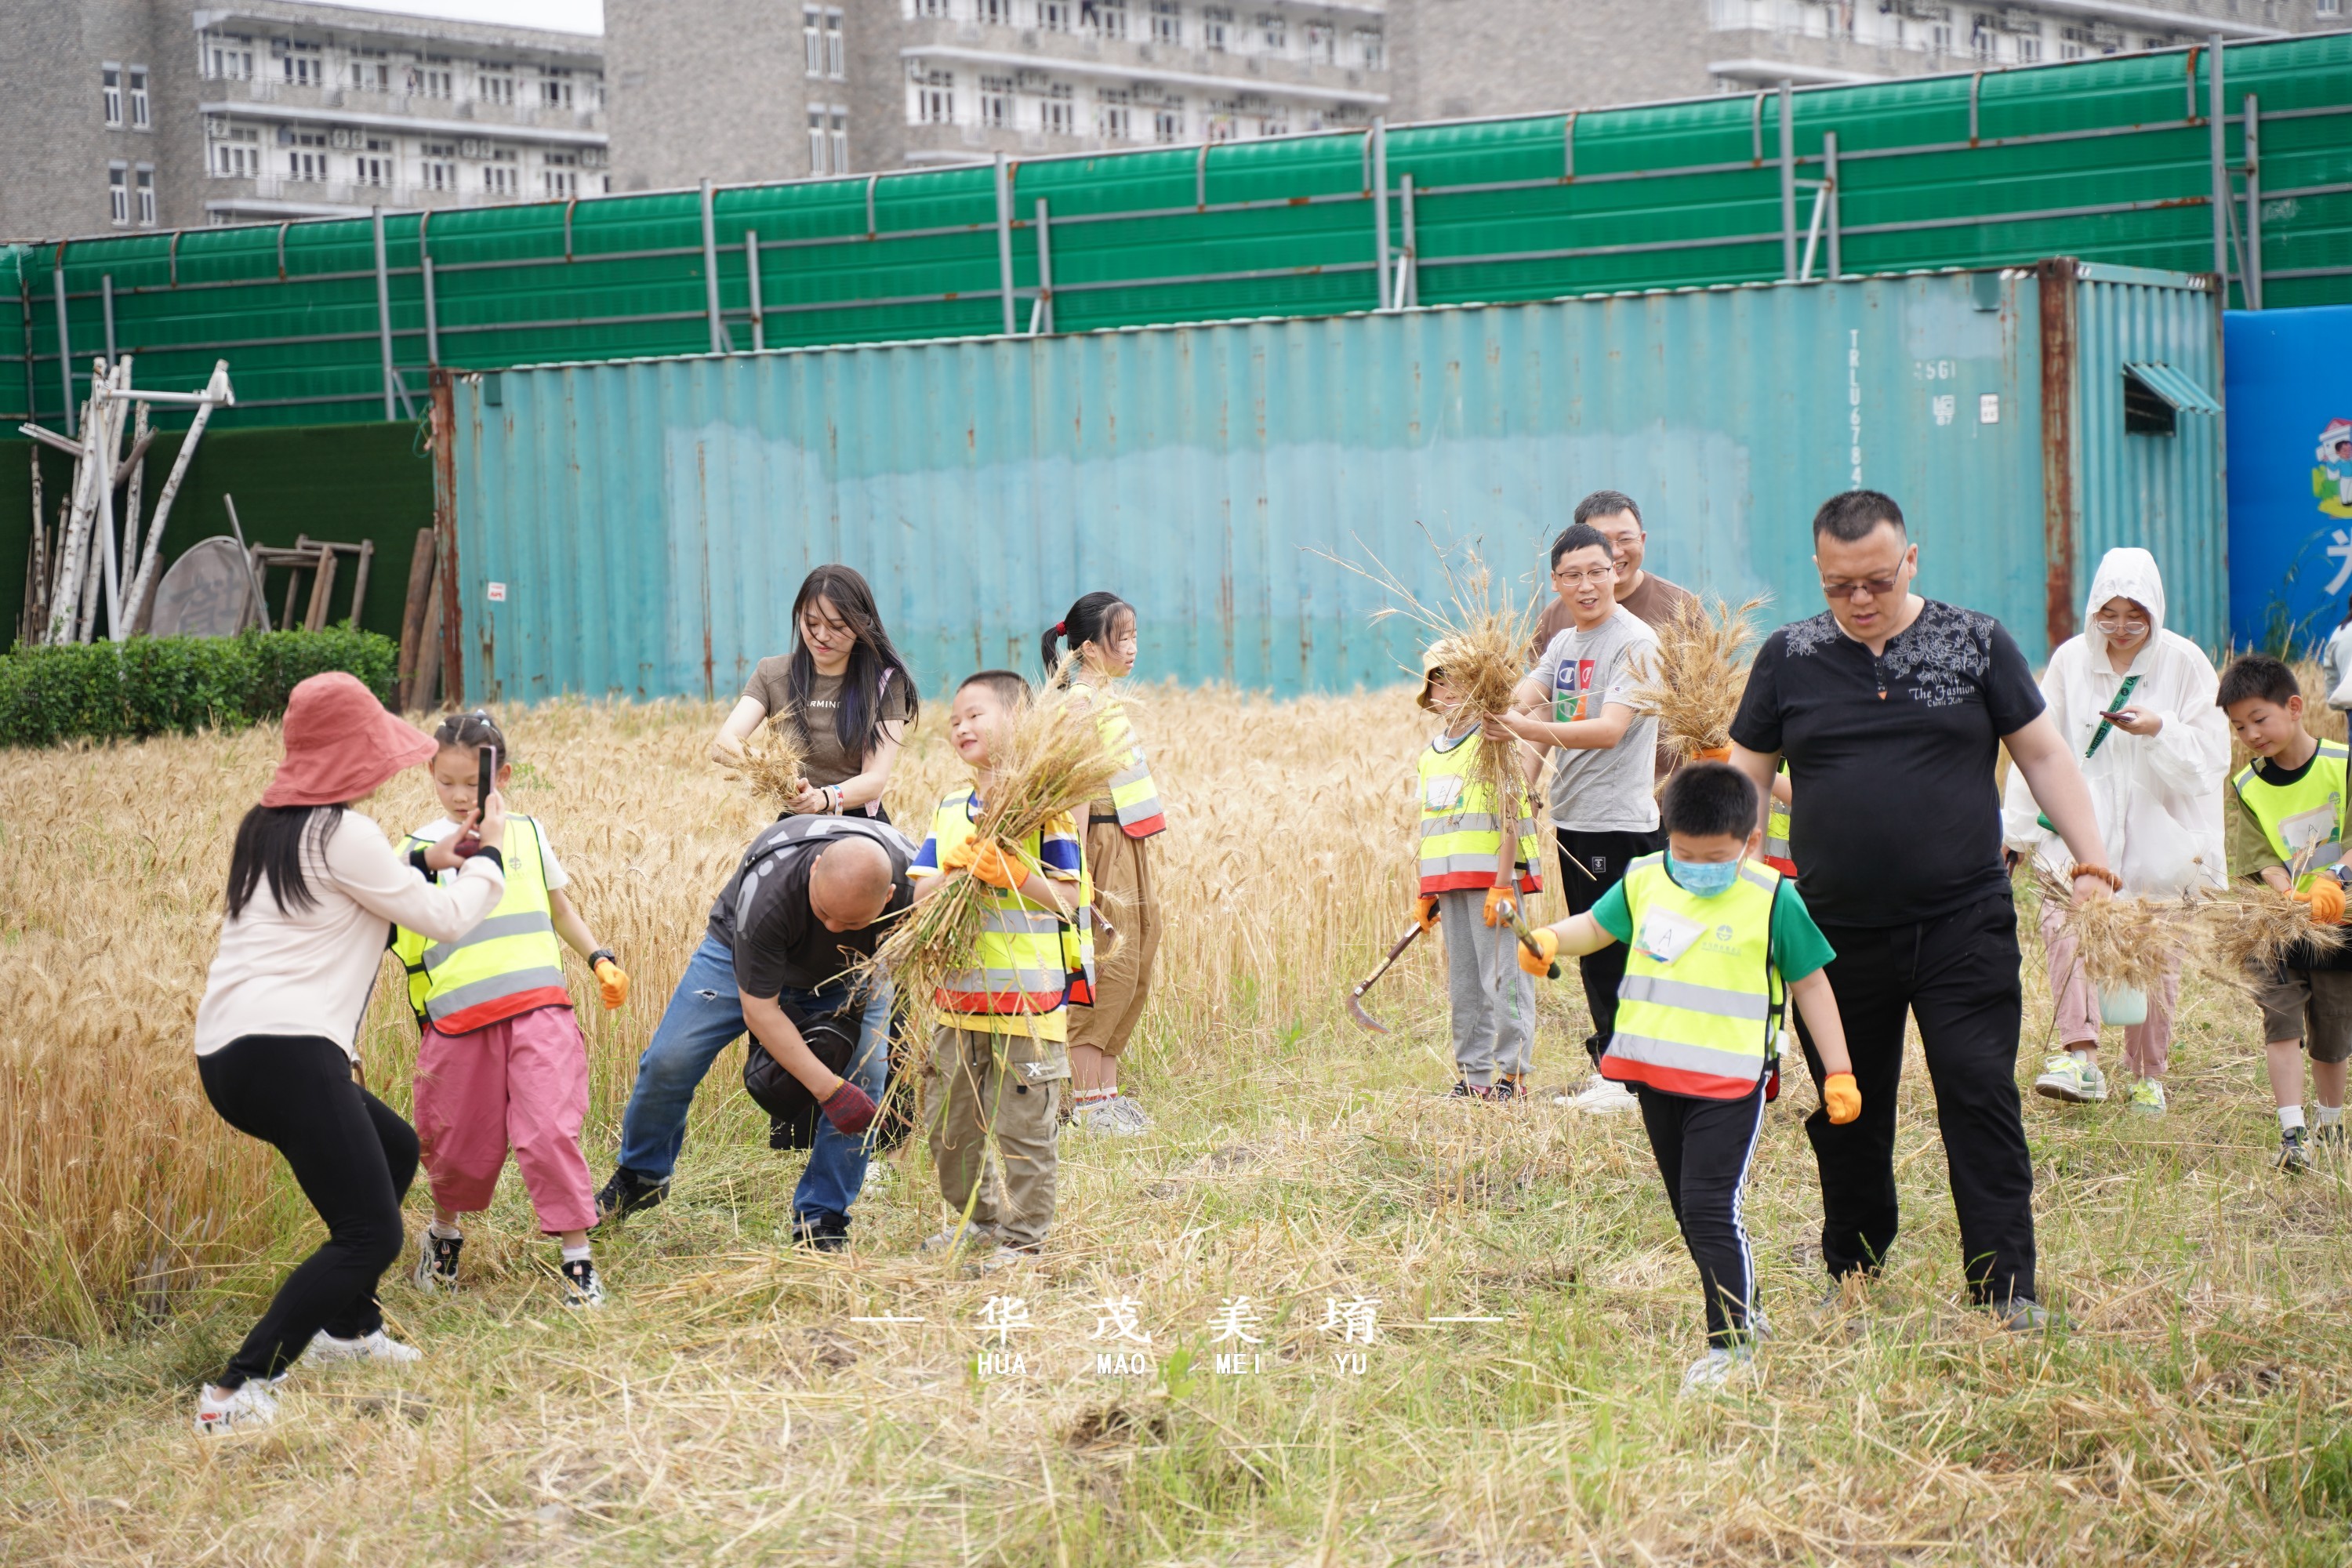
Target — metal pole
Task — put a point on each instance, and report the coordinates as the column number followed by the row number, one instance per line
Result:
column 1201, row 177
column 1409, row 267
column 106, row 292
column 2216, row 139
column 1045, row 267
column 751, row 271
column 383, row 310
column 2253, row 260
column 710, row 275
column 1004, row 245
column 65, row 344
column 1813, row 232
column 1836, row 199
column 1788, row 183
column 1380, row 209
column 432, row 318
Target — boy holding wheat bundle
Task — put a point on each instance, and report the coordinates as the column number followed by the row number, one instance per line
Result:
column 1000, row 1058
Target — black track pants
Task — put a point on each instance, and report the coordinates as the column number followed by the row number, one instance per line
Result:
column 1703, row 1148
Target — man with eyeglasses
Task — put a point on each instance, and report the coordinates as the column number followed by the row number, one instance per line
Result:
column 1892, row 710
column 1650, row 599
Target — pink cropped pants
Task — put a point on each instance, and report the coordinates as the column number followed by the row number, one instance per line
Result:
column 2148, row 1048
column 521, row 1084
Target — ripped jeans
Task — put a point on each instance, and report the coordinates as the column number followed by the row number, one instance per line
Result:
column 704, row 1017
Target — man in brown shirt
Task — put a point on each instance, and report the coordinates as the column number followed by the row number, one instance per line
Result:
column 1651, row 598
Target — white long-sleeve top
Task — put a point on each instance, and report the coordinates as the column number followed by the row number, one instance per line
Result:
column 2158, row 798
column 308, row 972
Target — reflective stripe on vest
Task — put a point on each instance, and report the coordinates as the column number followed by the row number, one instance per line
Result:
column 2302, row 822
column 1702, row 1025
column 1134, row 796
column 508, row 964
column 1029, row 959
column 1776, row 825
column 1461, row 834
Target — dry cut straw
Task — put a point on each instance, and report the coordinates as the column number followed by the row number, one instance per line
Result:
column 2121, row 944
column 1694, row 680
column 2252, row 930
column 774, row 763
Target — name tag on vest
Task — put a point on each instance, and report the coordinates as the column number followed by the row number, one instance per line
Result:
column 2308, row 830
column 1666, row 936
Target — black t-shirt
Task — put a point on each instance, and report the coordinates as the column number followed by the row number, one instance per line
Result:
column 1895, row 816
column 762, row 915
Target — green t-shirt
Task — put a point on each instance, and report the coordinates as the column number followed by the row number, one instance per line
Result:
column 1799, row 948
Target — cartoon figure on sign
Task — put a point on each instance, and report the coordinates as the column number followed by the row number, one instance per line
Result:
column 2331, row 481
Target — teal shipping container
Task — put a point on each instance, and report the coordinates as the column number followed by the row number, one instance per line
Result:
column 638, row 528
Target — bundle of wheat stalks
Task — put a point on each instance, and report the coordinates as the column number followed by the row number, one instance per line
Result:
column 2236, row 934
column 2252, row 928
column 1696, row 678
column 773, row 762
column 1050, row 763
column 2121, row 944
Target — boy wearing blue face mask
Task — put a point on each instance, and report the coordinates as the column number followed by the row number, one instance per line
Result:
column 1716, row 942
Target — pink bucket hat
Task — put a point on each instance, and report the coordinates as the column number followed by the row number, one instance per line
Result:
column 341, row 743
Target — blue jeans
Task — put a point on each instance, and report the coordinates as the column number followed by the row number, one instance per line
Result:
column 704, row 1018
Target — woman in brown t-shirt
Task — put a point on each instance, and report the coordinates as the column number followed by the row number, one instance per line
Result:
column 847, row 690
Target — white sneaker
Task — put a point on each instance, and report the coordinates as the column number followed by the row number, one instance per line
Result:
column 1003, row 1258
column 582, row 1287
column 241, row 1409
column 436, row 1261
column 2066, row 1076
column 325, row 1348
column 1130, row 1115
column 970, row 1235
column 2148, row 1097
column 1103, row 1116
column 1601, row 1095
column 1718, row 1367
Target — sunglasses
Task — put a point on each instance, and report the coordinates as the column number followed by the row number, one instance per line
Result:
column 1876, row 588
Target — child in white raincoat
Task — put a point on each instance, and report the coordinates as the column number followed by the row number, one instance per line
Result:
column 2157, row 771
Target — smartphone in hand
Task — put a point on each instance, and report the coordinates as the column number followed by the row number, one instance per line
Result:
column 484, row 780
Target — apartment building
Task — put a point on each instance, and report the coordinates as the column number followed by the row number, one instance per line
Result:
column 136, row 114
column 734, row 90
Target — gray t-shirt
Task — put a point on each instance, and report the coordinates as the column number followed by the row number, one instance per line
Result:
column 1598, row 791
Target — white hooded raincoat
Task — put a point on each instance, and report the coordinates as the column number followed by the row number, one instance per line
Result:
column 2158, row 798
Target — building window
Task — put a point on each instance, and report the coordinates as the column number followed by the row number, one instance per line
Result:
column 137, row 77
column 228, row 57
column 304, row 163
column 301, row 64
column 556, row 88
column 1054, row 16
column 1984, row 42
column 1323, row 43
column 373, row 167
column 437, row 170
column 932, row 8
column 812, row 40
column 1057, row 115
column 2029, row 49
column 372, row 72
column 2074, row 43
column 558, row 176
column 935, row 99
column 1940, row 37
column 492, row 84
column 1167, row 121
column 837, row 128
column 1372, row 49
column 110, row 93
column 499, row 176
column 820, row 150
column 1274, row 122
column 142, row 192
column 821, row 37
column 432, row 79
column 1167, row 23
column 996, row 103
column 1114, row 119
column 237, row 154
column 1216, row 28
column 837, row 52
column 2331, row 8
column 1109, row 17
column 995, row 13
column 118, row 195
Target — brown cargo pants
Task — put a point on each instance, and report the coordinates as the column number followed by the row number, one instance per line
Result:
column 1011, row 1086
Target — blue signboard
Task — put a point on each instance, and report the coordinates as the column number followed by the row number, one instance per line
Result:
column 2289, row 379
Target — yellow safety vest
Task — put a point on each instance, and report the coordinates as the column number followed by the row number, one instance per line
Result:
column 2304, row 821
column 1776, row 826
column 1460, row 833
column 1029, row 962
column 1134, row 796
column 510, row 964
column 1698, row 1011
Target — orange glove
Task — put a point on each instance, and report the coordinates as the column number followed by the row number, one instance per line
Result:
column 1424, row 912
column 1842, row 1098
column 2326, row 896
column 1497, row 899
column 998, row 867
column 960, row 858
column 1547, row 939
column 612, row 983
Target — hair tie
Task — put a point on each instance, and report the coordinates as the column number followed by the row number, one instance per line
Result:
column 1060, row 627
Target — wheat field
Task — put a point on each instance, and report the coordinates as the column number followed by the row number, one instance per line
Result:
column 1519, row 1402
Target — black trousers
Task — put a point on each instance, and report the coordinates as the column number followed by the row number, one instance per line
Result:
column 1703, row 1148
column 1957, row 975
column 1590, row 864
column 355, row 1158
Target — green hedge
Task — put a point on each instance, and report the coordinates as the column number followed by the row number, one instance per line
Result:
column 151, row 686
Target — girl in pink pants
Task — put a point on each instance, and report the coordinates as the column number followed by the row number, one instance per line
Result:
column 502, row 1065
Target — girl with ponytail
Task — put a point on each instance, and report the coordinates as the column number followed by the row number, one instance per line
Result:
column 1099, row 634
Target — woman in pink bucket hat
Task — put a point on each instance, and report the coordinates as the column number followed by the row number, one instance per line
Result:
column 313, row 889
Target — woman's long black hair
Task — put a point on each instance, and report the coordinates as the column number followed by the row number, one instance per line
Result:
column 1092, row 619
column 270, row 844
column 858, row 721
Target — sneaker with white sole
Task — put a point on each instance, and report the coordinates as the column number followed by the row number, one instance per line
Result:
column 2295, row 1152
column 1130, row 1115
column 969, row 1236
column 2148, row 1097
column 325, row 1348
column 581, row 1288
column 1602, row 1095
column 240, row 1409
column 2067, row 1077
column 1718, row 1367
column 436, row 1261
column 1102, row 1116
column 1001, row 1257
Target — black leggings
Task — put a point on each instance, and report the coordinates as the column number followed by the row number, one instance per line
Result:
column 355, row 1158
